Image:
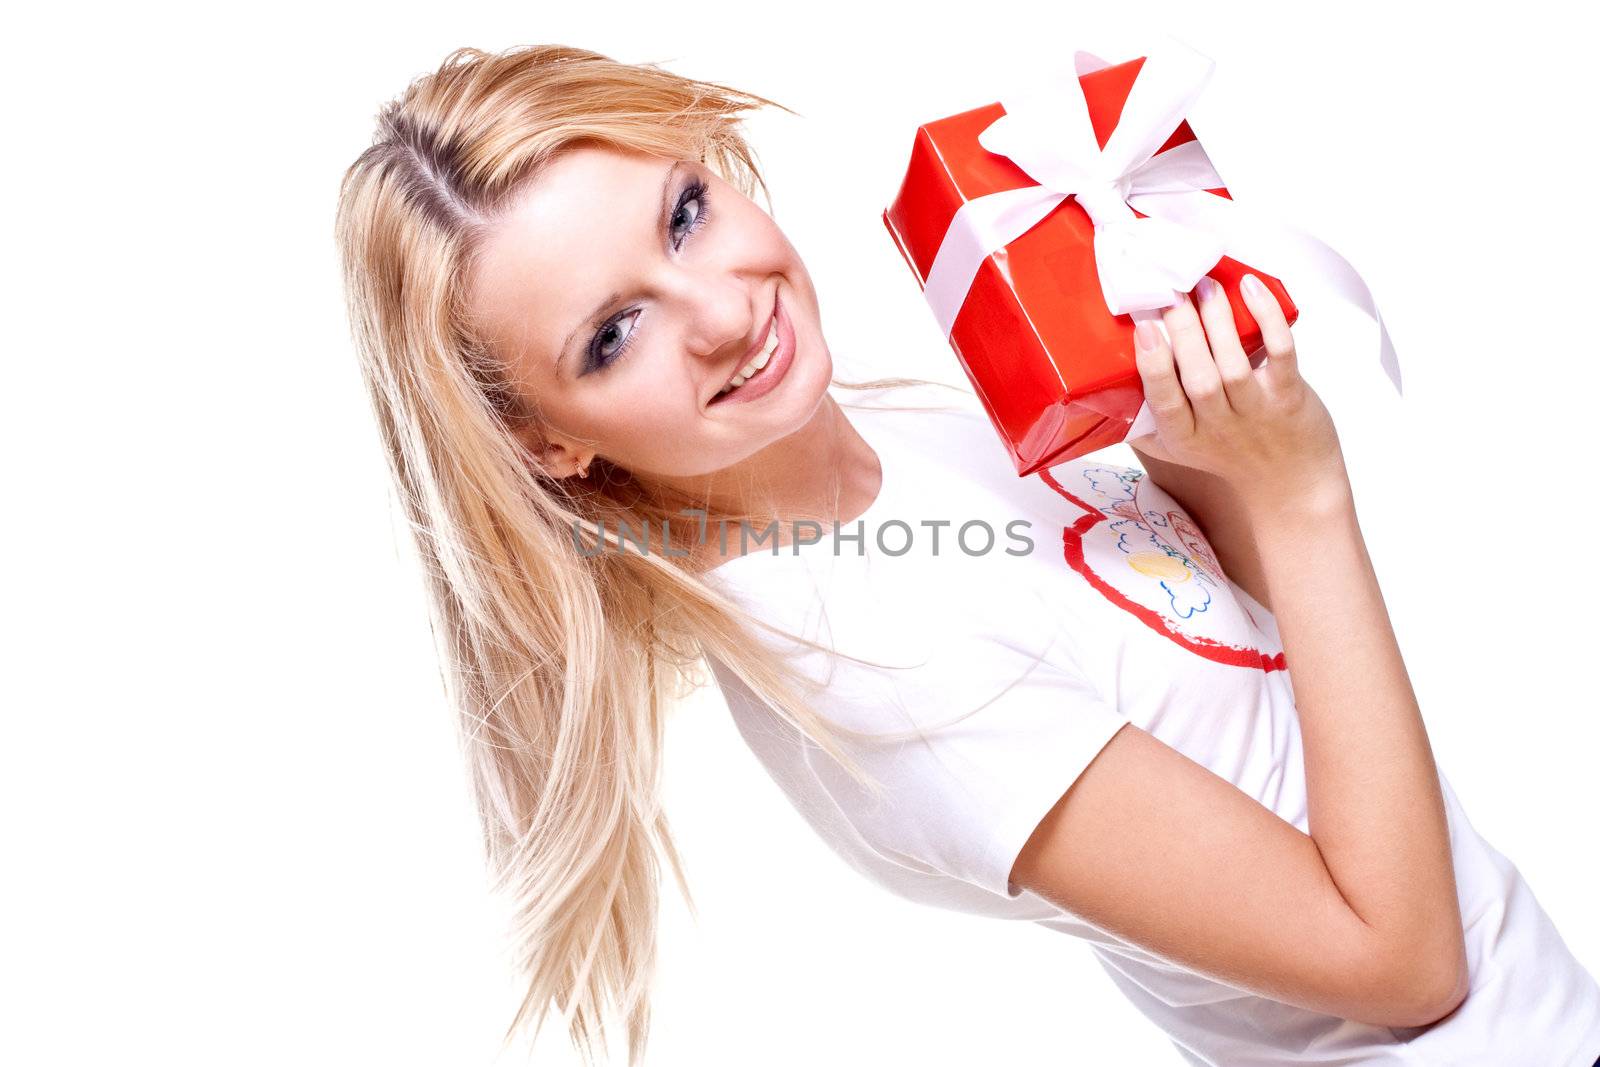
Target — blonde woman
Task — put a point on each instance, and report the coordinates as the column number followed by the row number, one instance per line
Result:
column 600, row 372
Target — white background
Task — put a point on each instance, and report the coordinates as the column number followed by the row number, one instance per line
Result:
column 236, row 830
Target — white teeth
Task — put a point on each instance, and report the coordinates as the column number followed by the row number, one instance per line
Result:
column 748, row 371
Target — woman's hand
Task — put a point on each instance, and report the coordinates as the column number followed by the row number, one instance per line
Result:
column 1263, row 430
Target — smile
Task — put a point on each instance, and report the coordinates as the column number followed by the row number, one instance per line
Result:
column 764, row 370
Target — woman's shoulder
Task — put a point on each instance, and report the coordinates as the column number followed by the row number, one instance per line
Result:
column 910, row 403
column 948, row 426
column 928, row 430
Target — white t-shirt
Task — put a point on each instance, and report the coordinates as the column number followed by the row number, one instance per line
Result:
column 1119, row 613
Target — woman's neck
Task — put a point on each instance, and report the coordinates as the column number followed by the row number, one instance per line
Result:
column 825, row 471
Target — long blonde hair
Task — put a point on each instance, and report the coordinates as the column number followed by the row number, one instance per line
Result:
column 559, row 662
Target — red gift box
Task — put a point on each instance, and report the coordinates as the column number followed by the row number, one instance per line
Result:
column 1052, row 365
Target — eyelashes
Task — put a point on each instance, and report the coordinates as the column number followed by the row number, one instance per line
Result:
column 604, row 349
column 693, row 193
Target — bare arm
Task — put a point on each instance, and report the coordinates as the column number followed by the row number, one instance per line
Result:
column 1157, row 849
column 1220, row 513
column 1375, row 806
column 1360, row 917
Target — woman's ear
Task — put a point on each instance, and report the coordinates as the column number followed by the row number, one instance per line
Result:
column 555, row 454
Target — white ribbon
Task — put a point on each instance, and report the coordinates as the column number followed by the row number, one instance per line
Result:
column 1144, row 264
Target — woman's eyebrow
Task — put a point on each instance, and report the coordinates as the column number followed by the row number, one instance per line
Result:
column 662, row 222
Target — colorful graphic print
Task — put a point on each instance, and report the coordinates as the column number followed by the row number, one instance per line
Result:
column 1155, row 564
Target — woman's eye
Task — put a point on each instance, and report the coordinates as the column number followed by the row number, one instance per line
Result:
column 685, row 218
column 612, row 339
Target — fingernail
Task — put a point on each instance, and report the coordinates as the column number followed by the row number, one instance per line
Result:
column 1144, row 334
column 1207, row 288
column 1253, row 285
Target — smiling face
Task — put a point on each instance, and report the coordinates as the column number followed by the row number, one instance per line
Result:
column 626, row 291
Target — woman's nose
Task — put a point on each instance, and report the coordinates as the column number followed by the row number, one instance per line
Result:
column 721, row 317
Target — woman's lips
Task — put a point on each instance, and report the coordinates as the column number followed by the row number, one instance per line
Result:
column 767, row 378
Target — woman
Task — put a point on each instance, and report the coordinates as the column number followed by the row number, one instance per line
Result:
column 600, row 373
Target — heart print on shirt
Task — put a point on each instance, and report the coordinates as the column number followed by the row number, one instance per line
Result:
column 1136, row 547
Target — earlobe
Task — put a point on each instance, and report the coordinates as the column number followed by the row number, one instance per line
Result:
column 554, row 458
column 555, row 462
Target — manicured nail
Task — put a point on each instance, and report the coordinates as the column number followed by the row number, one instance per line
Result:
column 1207, row 288
column 1253, row 285
column 1144, row 335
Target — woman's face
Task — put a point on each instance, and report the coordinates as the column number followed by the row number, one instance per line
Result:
column 625, row 291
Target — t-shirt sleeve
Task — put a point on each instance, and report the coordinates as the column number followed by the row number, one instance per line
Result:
column 963, row 798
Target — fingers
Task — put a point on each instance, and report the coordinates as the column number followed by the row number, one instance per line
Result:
column 1162, row 390
column 1197, row 370
column 1283, row 364
column 1239, row 383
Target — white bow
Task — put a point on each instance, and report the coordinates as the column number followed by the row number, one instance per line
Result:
column 1144, row 264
